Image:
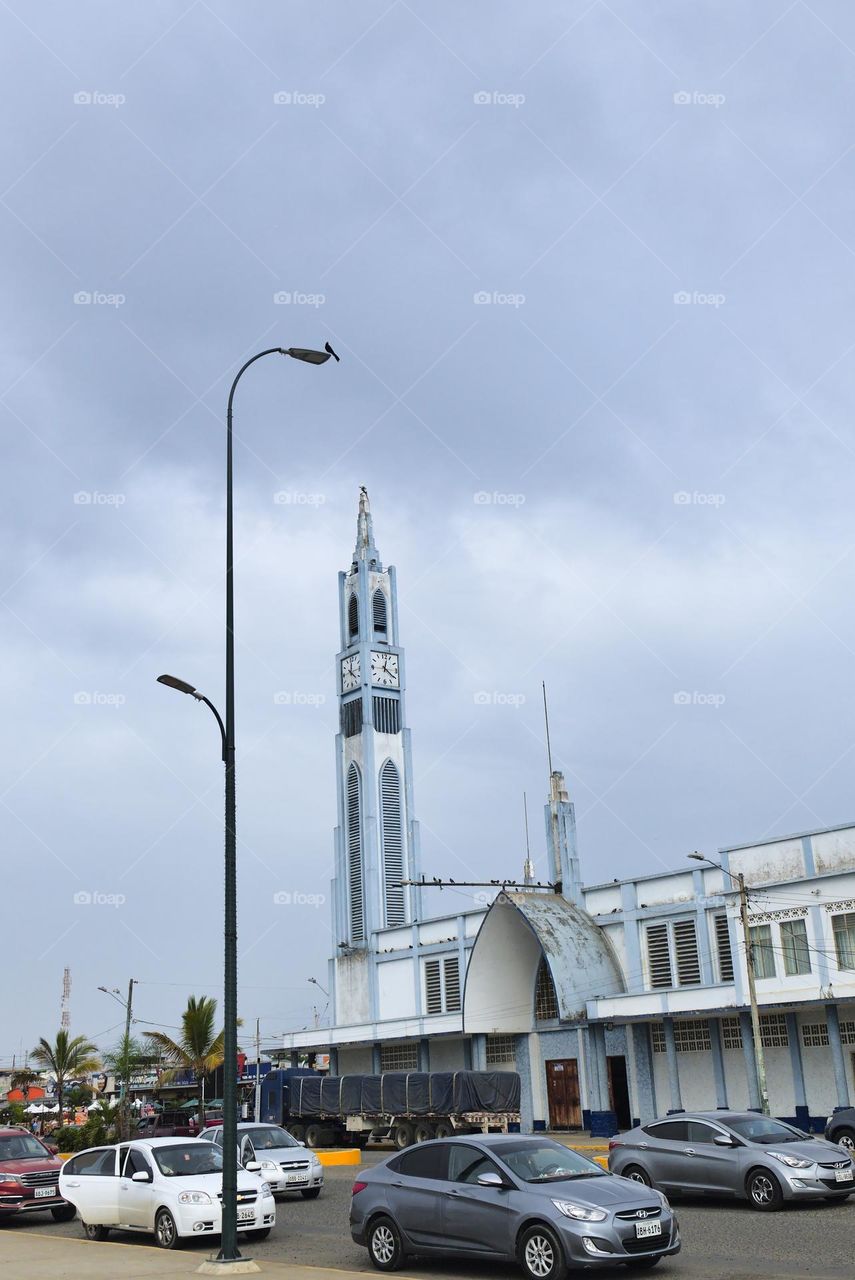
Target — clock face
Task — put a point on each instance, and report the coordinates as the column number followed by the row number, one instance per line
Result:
column 384, row 669
column 350, row 673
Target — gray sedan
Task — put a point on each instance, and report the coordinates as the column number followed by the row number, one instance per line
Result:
column 510, row 1197
column 733, row 1153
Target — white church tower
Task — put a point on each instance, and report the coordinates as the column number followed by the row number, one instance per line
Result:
column 376, row 840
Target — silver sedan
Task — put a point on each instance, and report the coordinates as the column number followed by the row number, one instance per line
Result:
column 739, row 1154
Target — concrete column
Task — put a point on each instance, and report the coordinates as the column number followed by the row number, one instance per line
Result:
column 642, row 1065
column 375, row 1058
column 718, row 1064
column 295, row 1058
column 799, row 1092
column 424, row 1055
column 673, row 1065
column 837, row 1057
column 603, row 1119
column 467, row 1054
column 750, row 1065
column 333, row 1060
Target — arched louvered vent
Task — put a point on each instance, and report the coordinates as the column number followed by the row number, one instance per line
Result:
column 393, row 845
column 378, row 605
column 353, row 616
column 545, row 999
column 354, row 857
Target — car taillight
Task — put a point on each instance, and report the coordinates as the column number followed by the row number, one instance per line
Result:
column 358, row 1186
column 614, row 1142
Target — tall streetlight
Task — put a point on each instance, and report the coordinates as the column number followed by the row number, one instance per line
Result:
column 229, row 1251
column 759, row 1055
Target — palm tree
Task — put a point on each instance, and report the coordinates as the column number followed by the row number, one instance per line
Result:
column 198, row 1049
column 66, row 1057
column 128, row 1058
column 23, row 1080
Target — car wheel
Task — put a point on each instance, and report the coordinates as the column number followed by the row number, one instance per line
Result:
column 846, row 1139
column 540, row 1254
column 635, row 1173
column 764, row 1190
column 311, row 1193
column 92, row 1231
column 403, row 1135
column 261, row 1233
column 63, row 1212
column 384, row 1245
column 165, row 1232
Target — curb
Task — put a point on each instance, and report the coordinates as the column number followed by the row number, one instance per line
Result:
column 349, row 1155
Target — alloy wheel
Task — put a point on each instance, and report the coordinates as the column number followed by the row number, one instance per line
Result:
column 165, row 1230
column 539, row 1256
column 383, row 1244
column 847, row 1141
column 762, row 1191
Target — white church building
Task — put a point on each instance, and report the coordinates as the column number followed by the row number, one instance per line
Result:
column 615, row 1002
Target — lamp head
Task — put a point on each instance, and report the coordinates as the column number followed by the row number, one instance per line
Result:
column 308, row 355
column 181, row 685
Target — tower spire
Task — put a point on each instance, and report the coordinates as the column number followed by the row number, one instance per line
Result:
column 365, row 549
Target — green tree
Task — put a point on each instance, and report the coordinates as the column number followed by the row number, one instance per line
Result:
column 23, row 1080
column 197, row 1049
column 127, row 1059
column 65, row 1058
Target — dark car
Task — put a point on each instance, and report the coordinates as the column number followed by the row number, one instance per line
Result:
column 841, row 1129
column 29, row 1177
column 505, row 1196
column 167, row 1124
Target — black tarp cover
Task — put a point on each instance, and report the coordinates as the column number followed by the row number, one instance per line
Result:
column 415, row 1093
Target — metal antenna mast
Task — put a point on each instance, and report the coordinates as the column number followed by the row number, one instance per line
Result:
column 65, row 1018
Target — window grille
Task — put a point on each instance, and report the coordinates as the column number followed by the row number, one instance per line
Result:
column 433, row 987
column 762, row 952
column 773, row 1031
column 692, row 1036
column 354, row 857
column 351, row 717
column 353, row 616
column 814, row 1035
column 847, row 1032
column 723, row 948
column 545, row 999
column 794, row 945
column 391, row 835
column 378, row 609
column 657, row 1037
column 451, row 970
column 387, row 714
column 686, row 952
column 731, row 1033
column 442, row 985
column 659, row 955
column 844, row 939
column 399, row 1057
column 500, row 1050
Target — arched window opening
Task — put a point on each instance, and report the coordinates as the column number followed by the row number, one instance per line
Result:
column 356, row 895
column 545, row 999
column 392, row 836
column 353, row 616
column 378, row 605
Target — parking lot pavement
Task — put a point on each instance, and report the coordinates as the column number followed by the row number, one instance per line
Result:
column 719, row 1240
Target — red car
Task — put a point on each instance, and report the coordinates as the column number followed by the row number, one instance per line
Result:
column 29, row 1175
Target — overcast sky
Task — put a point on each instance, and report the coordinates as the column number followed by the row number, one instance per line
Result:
column 589, row 267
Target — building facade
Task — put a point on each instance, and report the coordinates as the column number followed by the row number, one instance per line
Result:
column 615, row 1002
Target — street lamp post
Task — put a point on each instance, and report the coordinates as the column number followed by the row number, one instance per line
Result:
column 759, row 1054
column 228, row 1241
column 128, row 1005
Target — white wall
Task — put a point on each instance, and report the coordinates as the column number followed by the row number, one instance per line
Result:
column 356, row 1061
column 396, row 988
column 447, row 1055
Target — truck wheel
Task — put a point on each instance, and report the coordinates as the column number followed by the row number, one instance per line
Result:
column 423, row 1133
column 443, row 1130
column 402, row 1135
column 297, row 1132
column 314, row 1135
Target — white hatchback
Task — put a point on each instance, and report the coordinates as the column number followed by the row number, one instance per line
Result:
column 169, row 1186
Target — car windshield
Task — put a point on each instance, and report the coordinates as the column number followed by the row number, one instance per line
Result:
column 268, row 1137
column 763, row 1130
column 188, row 1160
column 547, row 1162
column 21, row 1146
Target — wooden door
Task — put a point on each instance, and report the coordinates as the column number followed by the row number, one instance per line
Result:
column 562, row 1093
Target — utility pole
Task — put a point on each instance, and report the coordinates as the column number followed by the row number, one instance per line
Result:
column 257, row 1070
column 759, row 1055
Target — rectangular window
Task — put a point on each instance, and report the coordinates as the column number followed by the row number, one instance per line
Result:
column 387, row 714
column 686, row 951
column 731, row 1033
column 723, row 949
column 844, row 939
column 794, row 945
column 399, row 1057
column 847, row 1032
column 773, row 1031
column 351, row 717
column 442, row 985
column 659, row 955
column 657, row 1037
column 762, row 952
column 814, row 1035
column 691, row 1035
column 501, row 1050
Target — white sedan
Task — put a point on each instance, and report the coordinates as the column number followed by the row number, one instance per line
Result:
column 284, row 1164
column 169, row 1186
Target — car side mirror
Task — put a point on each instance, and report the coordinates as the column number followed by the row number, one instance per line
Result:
column 252, row 1166
column 490, row 1180
column 723, row 1140
column 301, row 1144
column 142, row 1175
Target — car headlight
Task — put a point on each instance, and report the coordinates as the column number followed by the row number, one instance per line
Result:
column 794, row 1162
column 579, row 1211
column 316, row 1162
column 194, row 1197
column 270, row 1164
column 8, row 1177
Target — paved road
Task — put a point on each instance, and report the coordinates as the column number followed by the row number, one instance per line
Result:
column 719, row 1240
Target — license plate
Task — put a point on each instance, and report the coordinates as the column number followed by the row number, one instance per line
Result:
column 45, row 1193
column 296, row 1177
column 246, row 1215
column 842, row 1175
column 648, row 1229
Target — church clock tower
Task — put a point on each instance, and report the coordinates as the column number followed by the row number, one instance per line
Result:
column 376, row 836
